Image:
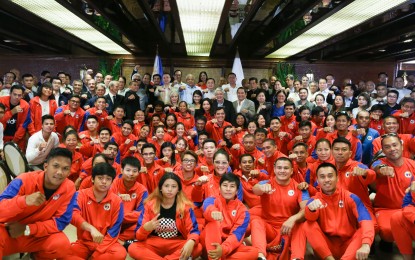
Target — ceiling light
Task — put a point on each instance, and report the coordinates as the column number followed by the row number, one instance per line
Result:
column 199, row 20
column 406, row 41
column 56, row 14
column 350, row 16
column 382, row 50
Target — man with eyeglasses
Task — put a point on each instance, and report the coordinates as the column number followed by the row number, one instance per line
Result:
column 71, row 114
column 189, row 177
column 392, row 103
column 391, row 126
column 406, row 116
column 151, row 172
column 394, row 174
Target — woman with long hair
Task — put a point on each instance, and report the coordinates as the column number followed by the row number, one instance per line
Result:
column 170, row 123
column 262, row 107
column 167, row 156
column 338, row 105
column 196, row 104
column 363, row 104
column 241, row 124
column 42, row 104
column 328, row 127
column 202, row 79
column 182, row 133
column 206, row 109
column 167, row 227
column 320, row 101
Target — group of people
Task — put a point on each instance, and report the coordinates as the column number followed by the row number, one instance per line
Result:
column 173, row 170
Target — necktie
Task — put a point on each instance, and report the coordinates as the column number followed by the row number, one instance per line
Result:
column 113, row 99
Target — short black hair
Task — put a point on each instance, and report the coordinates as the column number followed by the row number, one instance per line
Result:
column 300, row 144
column 304, row 123
column 111, row 143
column 59, row 151
column 132, row 161
column 230, row 177
column 148, row 145
column 105, row 129
column 284, row 159
column 325, row 165
column 246, row 155
column 343, row 140
column 46, row 117
column 92, row 117
column 103, row 169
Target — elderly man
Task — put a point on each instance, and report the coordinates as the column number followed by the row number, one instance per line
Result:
column 113, row 99
column 186, row 92
column 226, row 104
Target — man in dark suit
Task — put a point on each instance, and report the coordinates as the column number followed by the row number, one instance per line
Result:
column 220, row 101
column 348, row 93
column 113, row 99
column 132, row 100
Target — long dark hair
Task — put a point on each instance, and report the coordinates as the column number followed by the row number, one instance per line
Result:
column 173, row 155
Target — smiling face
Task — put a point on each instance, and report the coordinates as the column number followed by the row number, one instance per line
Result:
column 247, row 164
column 391, row 125
column 327, row 179
column 283, row 171
column 71, row 142
column 342, row 123
column 392, row 147
column 323, row 151
column 221, row 164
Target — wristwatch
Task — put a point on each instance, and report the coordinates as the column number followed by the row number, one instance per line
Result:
column 27, row 231
column 382, row 165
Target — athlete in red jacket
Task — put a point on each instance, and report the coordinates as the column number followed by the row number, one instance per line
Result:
column 132, row 194
column 16, row 118
column 271, row 154
column 248, row 147
column 36, row 207
column 283, row 204
column 71, row 114
column 215, row 126
column 98, row 216
column 403, row 227
column 394, row 175
column 36, row 110
column 227, row 221
column 406, row 116
column 338, row 224
column 249, row 177
column 167, row 227
column 280, row 137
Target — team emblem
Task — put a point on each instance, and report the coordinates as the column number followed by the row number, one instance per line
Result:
column 134, row 195
column 291, row 193
column 107, row 206
column 56, row 197
column 379, row 127
column 234, row 213
column 412, row 121
column 369, row 138
column 347, row 174
column 89, row 202
column 408, row 174
column 341, row 204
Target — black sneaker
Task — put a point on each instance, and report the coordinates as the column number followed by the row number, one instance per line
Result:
column 127, row 243
column 386, row 246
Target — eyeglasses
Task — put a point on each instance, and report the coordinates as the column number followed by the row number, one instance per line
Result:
column 188, row 160
column 148, row 154
column 389, row 135
column 137, row 80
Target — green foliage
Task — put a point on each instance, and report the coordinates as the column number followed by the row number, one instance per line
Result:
column 102, row 23
column 115, row 71
column 282, row 69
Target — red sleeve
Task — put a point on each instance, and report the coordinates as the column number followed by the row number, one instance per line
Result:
column 237, row 232
column 148, row 214
column 23, row 120
column 409, row 213
column 311, row 215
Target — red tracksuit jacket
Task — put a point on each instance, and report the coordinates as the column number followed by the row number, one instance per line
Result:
column 36, row 114
column 234, row 224
column 50, row 217
column 23, row 119
column 63, row 120
column 186, row 223
column 344, row 212
column 132, row 209
column 106, row 216
column 250, row 198
column 391, row 191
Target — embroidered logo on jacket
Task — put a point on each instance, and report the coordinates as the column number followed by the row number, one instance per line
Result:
column 107, row 206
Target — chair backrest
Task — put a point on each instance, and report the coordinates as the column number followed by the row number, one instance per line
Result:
column 5, row 177
column 15, row 159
